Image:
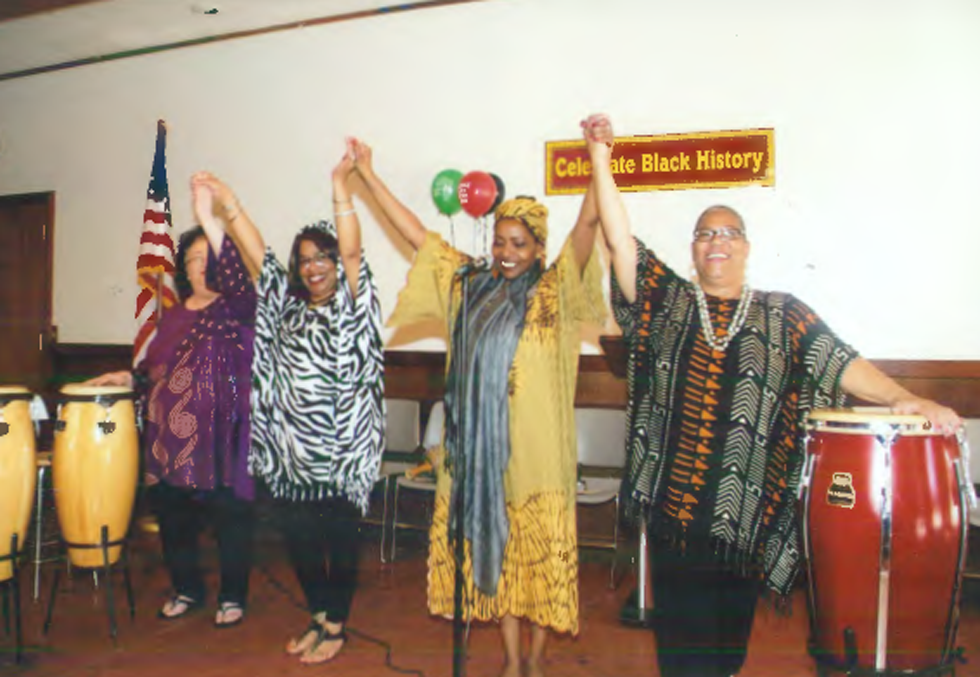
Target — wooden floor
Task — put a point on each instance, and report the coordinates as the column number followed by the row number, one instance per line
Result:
column 389, row 623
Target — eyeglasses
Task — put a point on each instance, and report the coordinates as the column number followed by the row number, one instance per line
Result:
column 724, row 234
column 320, row 258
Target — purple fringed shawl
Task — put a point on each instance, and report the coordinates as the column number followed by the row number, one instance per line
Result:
column 199, row 371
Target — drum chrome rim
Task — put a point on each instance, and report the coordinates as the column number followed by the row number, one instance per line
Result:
column 874, row 420
column 14, row 394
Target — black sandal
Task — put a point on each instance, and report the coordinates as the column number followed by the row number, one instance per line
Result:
column 324, row 635
column 189, row 605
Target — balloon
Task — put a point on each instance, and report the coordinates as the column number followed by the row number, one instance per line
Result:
column 500, row 192
column 445, row 191
column 477, row 193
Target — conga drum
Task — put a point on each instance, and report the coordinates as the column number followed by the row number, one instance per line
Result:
column 885, row 515
column 17, row 472
column 94, row 470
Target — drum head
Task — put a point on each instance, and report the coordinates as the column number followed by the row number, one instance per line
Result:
column 82, row 390
column 861, row 420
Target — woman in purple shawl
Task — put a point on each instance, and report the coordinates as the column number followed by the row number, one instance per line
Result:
column 195, row 379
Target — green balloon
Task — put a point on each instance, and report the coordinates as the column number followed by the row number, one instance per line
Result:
column 445, row 191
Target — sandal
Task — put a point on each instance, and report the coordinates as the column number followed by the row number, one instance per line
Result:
column 229, row 615
column 299, row 645
column 323, row 635
column 178, row 606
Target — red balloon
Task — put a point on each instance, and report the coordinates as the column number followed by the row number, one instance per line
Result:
column 477, row 193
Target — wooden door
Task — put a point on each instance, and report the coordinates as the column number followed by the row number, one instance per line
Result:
column 26, row 332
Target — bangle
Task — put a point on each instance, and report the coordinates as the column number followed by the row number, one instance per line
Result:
column 346, row 212
column 342, row 202
column 231, row 218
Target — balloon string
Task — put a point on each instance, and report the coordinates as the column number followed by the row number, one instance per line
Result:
column 452, row 231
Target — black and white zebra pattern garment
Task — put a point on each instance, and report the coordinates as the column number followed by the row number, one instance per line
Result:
column 318, row 390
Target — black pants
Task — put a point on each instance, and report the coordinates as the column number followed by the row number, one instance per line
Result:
column 183, row 515
column 704, row 613
column 323, row 540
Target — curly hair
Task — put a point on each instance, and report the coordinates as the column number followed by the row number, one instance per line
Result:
column 183, row 285
column 322, row 237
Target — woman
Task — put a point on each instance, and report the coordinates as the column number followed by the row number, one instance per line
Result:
column 720, row 378
column 522, row 328
column 318, row 406
column 196, row 381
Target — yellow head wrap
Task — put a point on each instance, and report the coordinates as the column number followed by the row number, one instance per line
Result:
column 528, row 211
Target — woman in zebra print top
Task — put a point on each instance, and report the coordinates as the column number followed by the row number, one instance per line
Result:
column 318, row 402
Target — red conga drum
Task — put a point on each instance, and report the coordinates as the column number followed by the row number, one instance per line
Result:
column 94, row 469
column 885, row 515
column 17, row 472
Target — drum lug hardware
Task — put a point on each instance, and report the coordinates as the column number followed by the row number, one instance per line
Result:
column 886, row 435
column 4, row 428
column 59, row 426
column 107, row 426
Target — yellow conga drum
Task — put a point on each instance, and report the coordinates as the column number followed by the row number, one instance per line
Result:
column 95, row 468
column 18, row 472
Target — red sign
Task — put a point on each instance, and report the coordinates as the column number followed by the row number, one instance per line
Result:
column 668, row 162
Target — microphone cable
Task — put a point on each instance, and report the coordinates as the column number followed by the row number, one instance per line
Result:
column 349, row 629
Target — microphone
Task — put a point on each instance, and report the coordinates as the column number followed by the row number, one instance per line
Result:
column 475, row 266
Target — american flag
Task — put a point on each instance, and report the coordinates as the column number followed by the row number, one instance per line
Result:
column 155, row 265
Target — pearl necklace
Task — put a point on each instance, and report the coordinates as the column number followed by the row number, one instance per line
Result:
column 738, row 319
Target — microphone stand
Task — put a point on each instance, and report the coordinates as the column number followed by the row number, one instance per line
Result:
column 457, row 535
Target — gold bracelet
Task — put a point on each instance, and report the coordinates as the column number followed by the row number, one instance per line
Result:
column 343, row 202
column 232, row 218
column 347, row 212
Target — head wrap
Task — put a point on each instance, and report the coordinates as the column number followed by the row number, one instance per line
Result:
column 528, row 211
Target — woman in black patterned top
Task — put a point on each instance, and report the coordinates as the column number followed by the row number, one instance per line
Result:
column 318, row 402
column 719, row 377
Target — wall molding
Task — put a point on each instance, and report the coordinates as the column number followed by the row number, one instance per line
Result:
column 418, row 375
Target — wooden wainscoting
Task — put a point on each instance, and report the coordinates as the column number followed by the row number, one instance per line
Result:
column 419, row 375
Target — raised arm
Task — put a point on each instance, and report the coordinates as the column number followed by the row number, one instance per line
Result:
column 401, row 217
column 612, row 213
column 202, row 200
column 866, row 382
column 584, row 231
column 236, row 220
column 345, row 218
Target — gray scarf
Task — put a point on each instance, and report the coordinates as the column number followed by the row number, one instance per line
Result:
column 477, row 414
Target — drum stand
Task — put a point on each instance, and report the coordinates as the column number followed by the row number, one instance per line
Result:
column 635, row 612
column 107, row 568
column 13, row 585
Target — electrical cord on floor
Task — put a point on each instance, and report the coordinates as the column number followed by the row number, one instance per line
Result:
column 277, row 584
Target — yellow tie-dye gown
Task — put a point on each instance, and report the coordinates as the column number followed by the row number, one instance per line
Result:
column 539, row 580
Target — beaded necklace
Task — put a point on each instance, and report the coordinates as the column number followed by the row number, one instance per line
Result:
column 738, row 319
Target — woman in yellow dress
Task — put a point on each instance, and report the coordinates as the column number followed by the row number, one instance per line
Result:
column 514, row 385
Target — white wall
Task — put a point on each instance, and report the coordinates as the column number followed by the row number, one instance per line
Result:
column 875, row 107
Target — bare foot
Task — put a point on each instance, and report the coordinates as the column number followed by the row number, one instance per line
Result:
column 309, row 638
column 534, row 668
column 303, row 643
column 328, row 644
column 511, row 669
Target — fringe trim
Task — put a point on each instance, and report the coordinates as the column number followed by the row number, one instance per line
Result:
column 284, row 490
